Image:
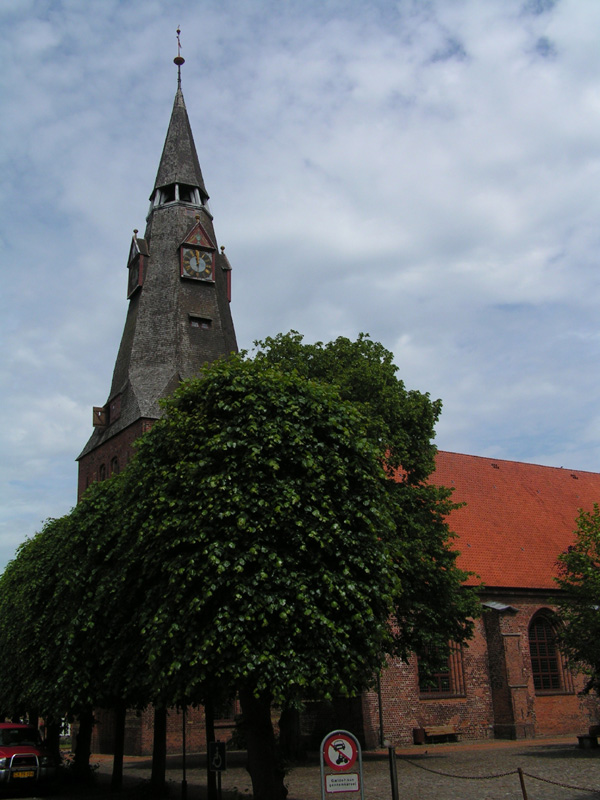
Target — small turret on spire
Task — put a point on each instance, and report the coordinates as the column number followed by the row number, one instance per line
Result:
column 179, row 59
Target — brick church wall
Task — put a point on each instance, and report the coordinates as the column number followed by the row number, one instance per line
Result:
column 405, row 709
column 499, row 699
column 98, row 462
column 139, row 731
column 542, row 713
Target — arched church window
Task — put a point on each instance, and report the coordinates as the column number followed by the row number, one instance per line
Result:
column 114, row 466
column 548, row 667
column 102, row 472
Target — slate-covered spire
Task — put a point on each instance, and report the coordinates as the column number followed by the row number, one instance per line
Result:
column 179, row 165
column 179, row 318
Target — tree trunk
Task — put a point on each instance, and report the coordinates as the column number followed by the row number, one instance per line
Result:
column 159, row 753
column 52, row 737
column 83, row 747
column 116, row 781
column 209, row 721
column 290, row 748
column 33, row 717
column 264, row 764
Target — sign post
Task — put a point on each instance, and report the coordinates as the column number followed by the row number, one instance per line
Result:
column 340, row 756
column 217, row 761
column 183, row 763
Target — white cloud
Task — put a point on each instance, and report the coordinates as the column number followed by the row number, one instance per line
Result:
column 425, row 172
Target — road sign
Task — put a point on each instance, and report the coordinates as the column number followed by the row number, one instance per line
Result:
column 217, row 756
column 340, row 751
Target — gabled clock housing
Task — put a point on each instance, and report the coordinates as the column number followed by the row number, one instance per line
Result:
column 136, row 264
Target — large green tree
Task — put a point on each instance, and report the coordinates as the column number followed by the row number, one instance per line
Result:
column 260, row 506
column 579, row 579
column 283, row 515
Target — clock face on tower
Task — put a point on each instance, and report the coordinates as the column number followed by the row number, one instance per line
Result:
column 196, row 263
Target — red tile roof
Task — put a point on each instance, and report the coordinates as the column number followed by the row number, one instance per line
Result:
column 518, row 517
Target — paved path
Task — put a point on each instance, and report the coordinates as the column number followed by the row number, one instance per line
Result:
column 432, row 772
column 556, row 761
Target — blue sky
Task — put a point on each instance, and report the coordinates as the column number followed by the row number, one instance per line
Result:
column 427, row 172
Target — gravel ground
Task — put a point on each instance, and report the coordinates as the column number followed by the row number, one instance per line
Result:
column 553, row 769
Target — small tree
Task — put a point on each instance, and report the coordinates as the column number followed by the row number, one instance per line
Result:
column 100, row 648
column 37, row 603
column 68, row 603
column 579, row 579
column 30, row 610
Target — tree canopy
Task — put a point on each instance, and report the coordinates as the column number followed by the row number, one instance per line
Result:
column 431, row 604
column 30, row 627
column 66, row 610
column 401, row 420
column 579, row 578
column 263, row 524
column 268, row 529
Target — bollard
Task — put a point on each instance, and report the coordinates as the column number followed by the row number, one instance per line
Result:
column 522, row 779
column 393, row 771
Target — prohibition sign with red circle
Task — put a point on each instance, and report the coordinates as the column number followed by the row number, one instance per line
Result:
column 339, row 751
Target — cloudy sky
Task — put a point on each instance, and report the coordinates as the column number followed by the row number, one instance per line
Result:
column 427, row 171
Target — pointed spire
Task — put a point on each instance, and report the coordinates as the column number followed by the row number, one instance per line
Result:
column 176, row 321
column 179, row 161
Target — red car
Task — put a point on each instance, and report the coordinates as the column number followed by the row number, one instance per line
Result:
column 23, row 758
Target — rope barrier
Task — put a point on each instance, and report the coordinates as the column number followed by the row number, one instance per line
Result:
column 499, row 775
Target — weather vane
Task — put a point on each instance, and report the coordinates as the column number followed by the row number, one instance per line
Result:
column 179, row 59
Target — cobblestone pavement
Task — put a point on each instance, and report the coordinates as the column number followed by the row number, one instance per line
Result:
column 553, row 769
column 562, row 772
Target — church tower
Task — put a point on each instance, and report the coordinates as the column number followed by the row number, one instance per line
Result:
column 178, row 290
